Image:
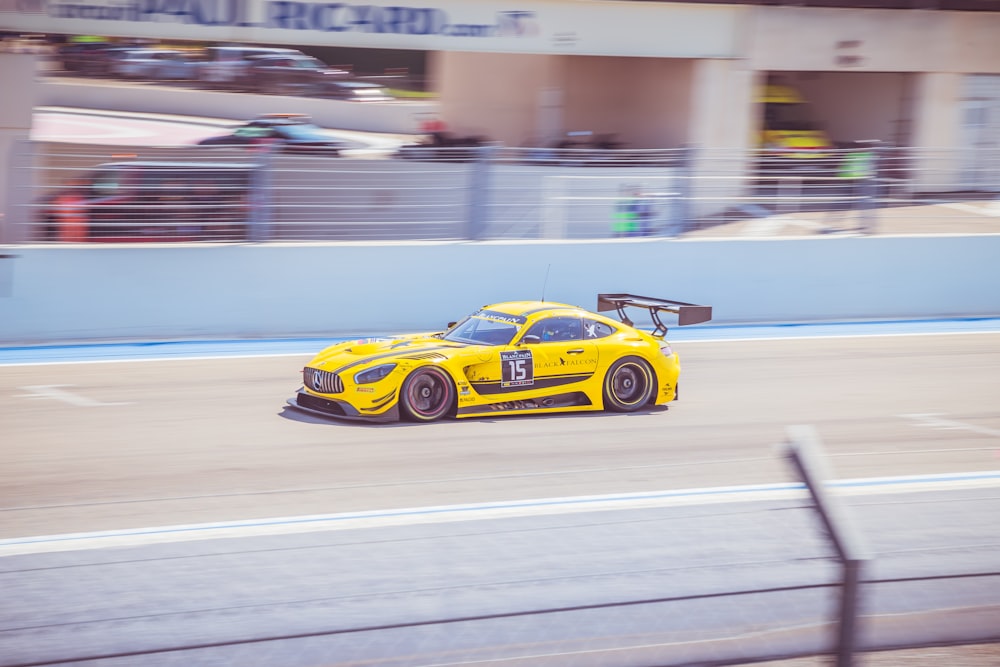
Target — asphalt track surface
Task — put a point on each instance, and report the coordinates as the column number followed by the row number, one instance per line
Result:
column 201, row 437
column 204, row 513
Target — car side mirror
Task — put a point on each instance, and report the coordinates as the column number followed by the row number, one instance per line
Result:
column 450, row 325
column 531, row 340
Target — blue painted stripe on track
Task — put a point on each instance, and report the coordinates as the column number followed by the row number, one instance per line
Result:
column 162, row 350
column 199, row 349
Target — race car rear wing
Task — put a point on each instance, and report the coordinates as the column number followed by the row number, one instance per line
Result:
column 687, row 313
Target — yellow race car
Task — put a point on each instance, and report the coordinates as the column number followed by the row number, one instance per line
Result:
column 520, row 357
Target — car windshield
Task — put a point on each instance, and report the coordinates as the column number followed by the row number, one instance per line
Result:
column 481, row 331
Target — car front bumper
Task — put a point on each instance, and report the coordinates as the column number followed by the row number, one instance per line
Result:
column 326, row 407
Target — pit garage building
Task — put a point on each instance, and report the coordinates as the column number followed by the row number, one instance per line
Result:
column 917, row 73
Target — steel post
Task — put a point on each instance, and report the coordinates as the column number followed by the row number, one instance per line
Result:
column 804, row 452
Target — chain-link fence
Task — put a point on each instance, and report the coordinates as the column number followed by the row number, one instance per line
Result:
column 72, row 193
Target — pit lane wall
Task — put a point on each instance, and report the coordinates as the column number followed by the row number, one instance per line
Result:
column 51, row 294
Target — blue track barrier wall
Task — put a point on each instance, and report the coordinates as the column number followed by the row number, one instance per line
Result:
column 160, row 292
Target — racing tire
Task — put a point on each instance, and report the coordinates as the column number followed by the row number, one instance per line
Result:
column 629, row 385
column 427, row 394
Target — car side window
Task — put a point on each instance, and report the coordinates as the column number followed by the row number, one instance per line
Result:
column 552, row 329
column 594, row 329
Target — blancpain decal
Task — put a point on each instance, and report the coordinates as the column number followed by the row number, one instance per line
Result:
column 295, row 15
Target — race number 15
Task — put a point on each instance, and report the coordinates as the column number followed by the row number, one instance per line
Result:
column 517, row 368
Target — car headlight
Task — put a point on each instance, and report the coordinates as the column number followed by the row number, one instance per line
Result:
column 665, row 350
column 373, row 374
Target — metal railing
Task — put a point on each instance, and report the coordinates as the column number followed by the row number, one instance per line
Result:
column 494, row 192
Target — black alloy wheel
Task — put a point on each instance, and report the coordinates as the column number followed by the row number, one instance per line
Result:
column 427, row 394
column 629, row 385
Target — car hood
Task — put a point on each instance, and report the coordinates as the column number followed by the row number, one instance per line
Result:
column 358, row 353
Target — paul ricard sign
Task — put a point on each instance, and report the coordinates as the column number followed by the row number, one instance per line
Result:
column 476, row 20
column 673, row 30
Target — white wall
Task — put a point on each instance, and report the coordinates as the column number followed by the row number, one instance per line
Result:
column 644, row 102
column 872, row 40
column 722, row 129
column 61, row 294
column 495, row 96
column 937, row 123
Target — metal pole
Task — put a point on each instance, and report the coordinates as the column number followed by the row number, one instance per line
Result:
column 804, row 452
column 847, row 629
column 261, row 209
column 479, row 193
column 682, row 209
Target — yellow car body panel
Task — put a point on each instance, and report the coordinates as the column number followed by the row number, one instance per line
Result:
column 523, row 357
column 788, row 127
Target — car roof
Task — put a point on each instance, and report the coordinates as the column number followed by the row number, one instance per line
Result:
column 525, row 308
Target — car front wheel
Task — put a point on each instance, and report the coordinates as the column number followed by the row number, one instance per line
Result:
column 629, row 385
column 427, row 394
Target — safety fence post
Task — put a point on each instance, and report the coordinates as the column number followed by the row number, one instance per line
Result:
column 478, row 216
column 261, row 194
column 18, row 192
column 804, row 452
column 681, row 215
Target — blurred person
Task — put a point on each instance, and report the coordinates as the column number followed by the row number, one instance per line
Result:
column 644, row 213
column 70, row 213
column 857, row 170
column 434, row 125
column 633, row 214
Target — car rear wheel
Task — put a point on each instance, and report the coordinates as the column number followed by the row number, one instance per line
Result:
column 629, row 385
column 427, row 394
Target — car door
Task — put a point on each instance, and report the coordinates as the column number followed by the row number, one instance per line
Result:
column 552, row 357
column 560, row 355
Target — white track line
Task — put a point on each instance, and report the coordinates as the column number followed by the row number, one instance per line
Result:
column 483, row 511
